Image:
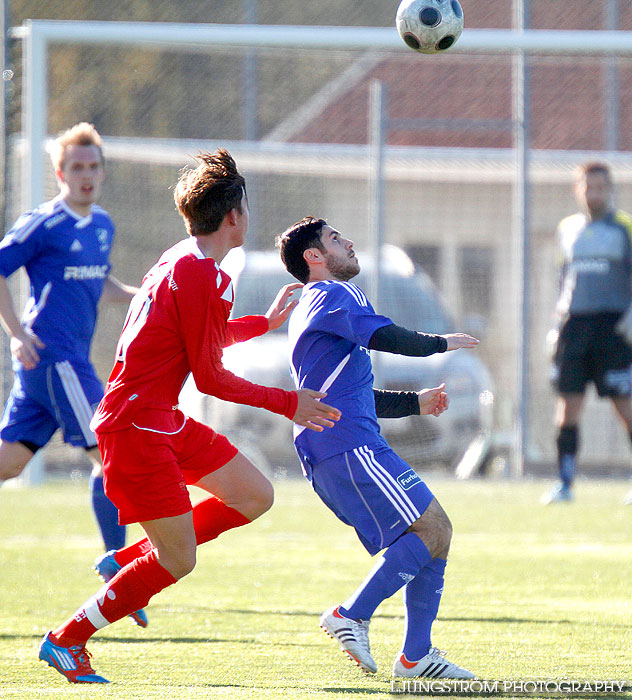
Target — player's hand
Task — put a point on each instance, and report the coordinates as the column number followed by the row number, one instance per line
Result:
column 461, row 340
column 433, row 402
column 24, row 348
column 312, row 413
column 279, row 311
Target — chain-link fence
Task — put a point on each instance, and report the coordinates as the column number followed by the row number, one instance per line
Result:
column 298, row 123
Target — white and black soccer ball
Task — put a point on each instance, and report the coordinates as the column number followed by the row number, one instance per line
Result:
column 429, row 26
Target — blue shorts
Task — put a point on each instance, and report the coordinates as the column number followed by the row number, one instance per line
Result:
column 60, row 395
column 374, row 491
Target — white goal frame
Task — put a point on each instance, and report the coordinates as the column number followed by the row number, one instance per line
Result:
column 39, row 35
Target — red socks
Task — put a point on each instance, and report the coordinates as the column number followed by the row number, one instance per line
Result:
column 211, row 517
column 142, row 576
column 130, row 590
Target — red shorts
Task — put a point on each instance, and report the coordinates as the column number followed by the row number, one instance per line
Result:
column 146, row 467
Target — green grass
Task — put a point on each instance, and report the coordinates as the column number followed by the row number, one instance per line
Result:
column 530, row 591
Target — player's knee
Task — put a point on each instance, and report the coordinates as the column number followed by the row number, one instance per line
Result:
column 435, row 531
column 182, row 564
column 10, row 470
column 178, row 562
column 445, row 538
column 263, row 499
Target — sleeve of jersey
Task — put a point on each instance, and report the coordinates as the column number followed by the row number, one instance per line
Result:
column 21, row 243
column 203, row 327
column 343, row 315
column 245, row 328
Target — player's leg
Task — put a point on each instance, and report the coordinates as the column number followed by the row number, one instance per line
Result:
column 74, row 392
column 614, row 378
column 382, row 497
column 104, row 510
column 573, row 369
column 240, row 492
column 142, row 477
column 106, row 515
column 14, row 456
column 568, row 413
column 623, row 407
column 25, row 425
column 172, row 557
column 422, row 596
column 425, row 539
column 240, row 487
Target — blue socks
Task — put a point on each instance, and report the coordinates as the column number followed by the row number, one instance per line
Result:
column 106, row 515
column 399, row 564
column 421, row 599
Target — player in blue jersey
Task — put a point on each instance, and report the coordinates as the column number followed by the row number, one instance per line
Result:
column 352, row 468
column 594, row 312
column 64, row 246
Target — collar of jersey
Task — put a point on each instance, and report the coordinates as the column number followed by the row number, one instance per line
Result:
column 191, row 244
column 81, row 221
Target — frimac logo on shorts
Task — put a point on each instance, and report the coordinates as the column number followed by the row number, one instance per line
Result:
column 408, row 479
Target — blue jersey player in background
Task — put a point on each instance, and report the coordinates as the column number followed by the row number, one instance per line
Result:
column 64, row 246
column 351, row 467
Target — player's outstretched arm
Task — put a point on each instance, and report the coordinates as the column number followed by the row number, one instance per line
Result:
column 115, row 292
column 312, row 413
column 401, row 341
column 433, row 402
column 280, row 309
column 461, row 340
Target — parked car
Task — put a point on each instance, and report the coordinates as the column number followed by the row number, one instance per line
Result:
column 408, row 296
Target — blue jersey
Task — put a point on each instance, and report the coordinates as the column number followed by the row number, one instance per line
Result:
column 329, row 334
column 66, row 257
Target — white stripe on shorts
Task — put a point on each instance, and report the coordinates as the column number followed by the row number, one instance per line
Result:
column 402, row 493
column 77, row 399
column 387, row 484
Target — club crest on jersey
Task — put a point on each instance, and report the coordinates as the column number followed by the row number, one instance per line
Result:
column 104, row 239
column 408, row 479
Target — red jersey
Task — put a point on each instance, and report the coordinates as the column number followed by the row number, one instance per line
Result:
column 178, row 324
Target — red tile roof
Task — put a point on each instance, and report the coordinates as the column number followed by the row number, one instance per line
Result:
column 567, row 93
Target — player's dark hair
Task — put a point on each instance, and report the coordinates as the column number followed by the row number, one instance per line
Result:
column 204, row 195
column 596, row 167
column 293, row 242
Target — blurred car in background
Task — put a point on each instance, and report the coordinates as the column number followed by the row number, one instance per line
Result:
column 410, row 299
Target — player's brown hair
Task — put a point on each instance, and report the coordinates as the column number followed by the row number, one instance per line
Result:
column 82, row 134
column 205, row 194
column 294, row 241
column 595, row 167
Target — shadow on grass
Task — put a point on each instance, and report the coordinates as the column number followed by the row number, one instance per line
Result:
column 167, row 640
column 312, row 615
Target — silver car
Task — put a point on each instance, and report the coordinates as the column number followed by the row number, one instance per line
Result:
column 409, row 297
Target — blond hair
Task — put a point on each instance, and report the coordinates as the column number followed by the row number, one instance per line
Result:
column 82, row 134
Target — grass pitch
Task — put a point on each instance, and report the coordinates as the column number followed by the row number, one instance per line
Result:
column 530, row 591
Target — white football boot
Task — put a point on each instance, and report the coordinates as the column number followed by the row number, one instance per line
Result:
column 432, row 665
column 352, row 635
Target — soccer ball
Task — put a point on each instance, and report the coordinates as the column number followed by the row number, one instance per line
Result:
column 429, row 26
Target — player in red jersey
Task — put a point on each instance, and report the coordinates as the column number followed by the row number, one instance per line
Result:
column 178, row 324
